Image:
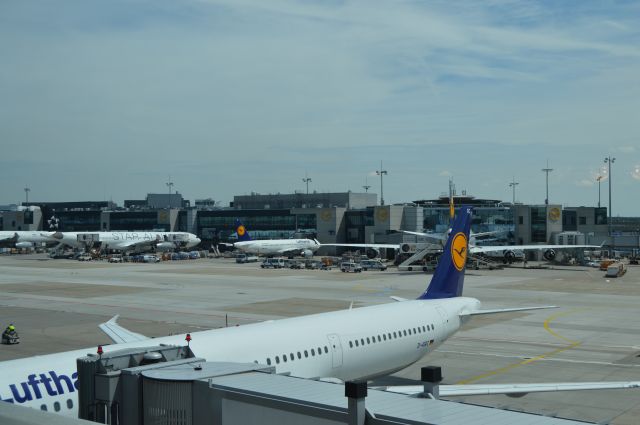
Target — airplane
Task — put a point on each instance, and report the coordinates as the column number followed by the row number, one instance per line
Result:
column 507, row 252
column 26, row 238
column 354, row 344
column 128, row 241
column 303, row 247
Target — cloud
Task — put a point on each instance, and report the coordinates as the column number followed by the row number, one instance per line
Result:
column 635, row 173
column 584, row 183
column 261, row 91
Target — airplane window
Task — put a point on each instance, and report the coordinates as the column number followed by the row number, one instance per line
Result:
column 432, row 326
column 326, row 350
column 56, row 406
column 313, row 352
column 405, row 332
column 277, row 360
column 389, row 335
column 269, row 362
column 350, row 344
column 299, row 355
column 291, row 356
column 319, row 350
column 306, row 353
column 384, row 336
column 368, row 341
column 357, row 345
column 69, row 404
column 43, row 407
column 424, row 329
column 409, row 331
column 394, row 335
column 362, row 341
column 379, row 339
column 284, row 358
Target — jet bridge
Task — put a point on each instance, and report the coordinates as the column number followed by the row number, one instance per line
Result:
column 169, row 385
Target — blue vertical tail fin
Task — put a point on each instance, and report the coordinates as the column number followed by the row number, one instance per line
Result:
column 243, row 235
column 448, row 278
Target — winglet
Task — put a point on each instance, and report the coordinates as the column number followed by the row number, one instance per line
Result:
column 118, row 334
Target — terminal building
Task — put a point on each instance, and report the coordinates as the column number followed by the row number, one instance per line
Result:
column 346, row 217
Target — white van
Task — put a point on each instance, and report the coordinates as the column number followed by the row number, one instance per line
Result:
column 273, row 263
column 615, row 270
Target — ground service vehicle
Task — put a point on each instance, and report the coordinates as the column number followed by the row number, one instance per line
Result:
column 350, row 266
column 245, row 258
column 273, row 263
column 615, row 270
column 373, row 265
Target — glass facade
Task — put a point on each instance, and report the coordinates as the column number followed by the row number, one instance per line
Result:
column 76, row 221
column 355, row 225
column 538, row 224
column 136, row 220
column 261, row 224
column 569, row 220
column 485, row 219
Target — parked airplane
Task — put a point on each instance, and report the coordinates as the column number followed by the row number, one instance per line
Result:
column 128, row 241
column 507, row 252
column 304, row 247
column 358, row 343
column 26, row 238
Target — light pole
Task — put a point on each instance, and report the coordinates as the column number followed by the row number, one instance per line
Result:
column 306, row 180
column 513, row 185
column 547, row 171
column 366, row 186
column 381, row 173
column 599, row 179
column 169, row 185
column 26, row 193
column 609, row 160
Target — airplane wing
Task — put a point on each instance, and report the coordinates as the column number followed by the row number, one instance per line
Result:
column 506, row 310
column 118, row 334
column 365, row 245
column 513, row 390
column 499, row 248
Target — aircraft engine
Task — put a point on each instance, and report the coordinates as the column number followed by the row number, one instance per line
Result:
column 509, row 256
column 405, row 247
column 165, row 246
column 307, row 253
column 549, row 255
column 372, row 253
column 22, row 245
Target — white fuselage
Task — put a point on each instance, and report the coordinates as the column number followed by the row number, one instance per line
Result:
column 351, row 344
column 129, row 241
column 34, row 237
column 277, row 246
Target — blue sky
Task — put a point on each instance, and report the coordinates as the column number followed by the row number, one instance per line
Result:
column 106, row 100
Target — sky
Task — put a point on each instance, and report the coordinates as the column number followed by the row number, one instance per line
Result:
column 110, row 100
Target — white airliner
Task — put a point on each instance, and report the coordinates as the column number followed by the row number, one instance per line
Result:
column 26, row 238
column 507, row 252
column 303, row 247
column 129, row 241
column 358, row 343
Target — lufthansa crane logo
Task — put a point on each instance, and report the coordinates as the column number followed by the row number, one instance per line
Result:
column 240, row 231
column 459, row 251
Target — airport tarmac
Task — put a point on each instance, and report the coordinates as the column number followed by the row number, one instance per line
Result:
column 593, row 335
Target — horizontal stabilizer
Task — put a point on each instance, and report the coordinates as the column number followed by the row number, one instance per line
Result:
column 514, row 390
column 393, row 297
column 118, row 334
column 505, row 310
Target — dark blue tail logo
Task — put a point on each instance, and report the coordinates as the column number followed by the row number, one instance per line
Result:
column 242, row 232
column 448, row 278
